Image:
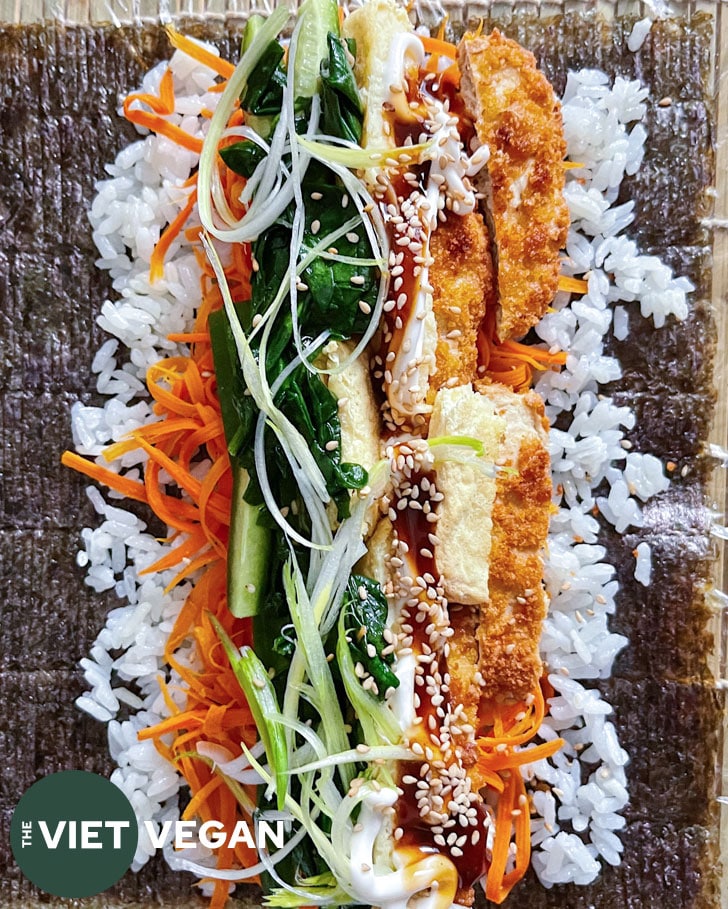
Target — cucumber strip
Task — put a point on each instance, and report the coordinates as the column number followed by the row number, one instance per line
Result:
column 252, row 27
column 319, row 17
column 249, row 548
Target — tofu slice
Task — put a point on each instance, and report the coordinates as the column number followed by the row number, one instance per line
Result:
column 380, row 546
column 358, row 413
column 374, row 26
column 465, row 525
column 358, row 410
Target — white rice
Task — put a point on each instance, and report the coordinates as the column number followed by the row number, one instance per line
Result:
column 578, row 819
column 640, row 30
column 643, row 563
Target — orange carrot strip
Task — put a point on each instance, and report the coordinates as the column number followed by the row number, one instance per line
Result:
column 168, row 699
column 573, row 285
column 501, row 841
column 186, row 481
column 438, row 46
column 174, row 512
column 156, row 124
column 130, row 489
column 190, row 337
column 185, row 550
column 205, row 559
column 156, row 264
column 166, row 90
column 533, row 355
column 522, row 831
column 504, row 761
column 171, row 724
column 213, row 725
column 200, row 796
column 164, row 104
column 201, row 54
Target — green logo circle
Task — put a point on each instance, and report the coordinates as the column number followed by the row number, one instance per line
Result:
column 74, row 834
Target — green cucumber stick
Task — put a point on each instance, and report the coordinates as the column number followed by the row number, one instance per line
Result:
column 319, row 18
column 249, row 548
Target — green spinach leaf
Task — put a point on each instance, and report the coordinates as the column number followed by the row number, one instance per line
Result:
column 341, row 109
column 365, row 612
column 243, row 157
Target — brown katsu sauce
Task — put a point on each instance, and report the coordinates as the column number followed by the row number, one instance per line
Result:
column 405, row 283
column 415, row 530
column 408, row 216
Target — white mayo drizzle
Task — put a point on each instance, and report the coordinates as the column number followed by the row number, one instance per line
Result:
column 403, row 699
column 390, row 889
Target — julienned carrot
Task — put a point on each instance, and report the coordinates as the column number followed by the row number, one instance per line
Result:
column 156, row 264
column 163, row 127
column 201, row 54
column 189, row 337
column 535, row 355
column 573, row 285
column 512, row 815
column 184, row 551
column 500, row 757
column 510, row 362
column 162, row 104
column 438, row 46
column 130, row 489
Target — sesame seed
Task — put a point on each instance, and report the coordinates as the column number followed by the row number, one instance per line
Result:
column 357, row 279
column 332, row 445
column 316, row 196
column 315, row 227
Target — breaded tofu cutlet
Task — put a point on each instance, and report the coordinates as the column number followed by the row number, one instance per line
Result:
column 463, row 286
column 517, row 114
column 512, row 617
column 492, row 536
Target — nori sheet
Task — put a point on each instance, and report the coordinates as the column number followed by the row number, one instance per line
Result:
column 59, row 94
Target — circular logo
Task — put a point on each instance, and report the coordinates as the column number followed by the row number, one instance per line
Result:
column 74, row 834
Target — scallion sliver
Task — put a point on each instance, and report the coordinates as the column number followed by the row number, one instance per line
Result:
column 261, row 697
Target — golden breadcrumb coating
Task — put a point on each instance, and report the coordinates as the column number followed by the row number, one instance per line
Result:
column 463, row 284
column 464, row 658
column 517, row 114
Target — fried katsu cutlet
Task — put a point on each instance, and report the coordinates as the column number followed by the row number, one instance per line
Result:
column 463, row 285
column 492, row 535
column 517, row 114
